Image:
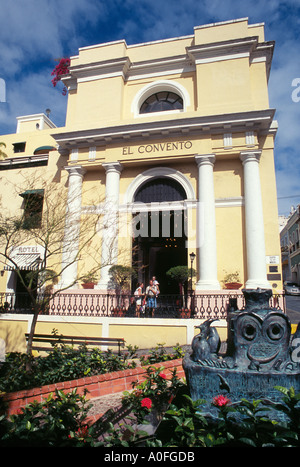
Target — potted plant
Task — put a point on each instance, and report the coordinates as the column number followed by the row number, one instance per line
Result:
column 121, row 279
column 89, row 281
column 181, row 275
column 232, row 280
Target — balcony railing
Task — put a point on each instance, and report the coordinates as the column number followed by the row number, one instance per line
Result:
column 201, row 306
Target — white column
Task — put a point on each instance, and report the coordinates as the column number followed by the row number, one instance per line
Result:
column 254, row 222
column 206, row 225
column 72, row 228
column 109, row 232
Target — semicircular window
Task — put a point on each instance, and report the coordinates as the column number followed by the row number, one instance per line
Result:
column 162, row 101
column 159, row 190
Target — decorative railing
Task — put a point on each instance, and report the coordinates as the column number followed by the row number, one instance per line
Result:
column 201, row 306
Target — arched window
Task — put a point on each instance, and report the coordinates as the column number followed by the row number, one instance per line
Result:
column 160, row 96
column 162, row 101
column 160, row 189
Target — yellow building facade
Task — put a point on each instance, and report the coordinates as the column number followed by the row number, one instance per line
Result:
column 171, row 144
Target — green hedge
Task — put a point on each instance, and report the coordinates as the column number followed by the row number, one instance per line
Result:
column 63, row 363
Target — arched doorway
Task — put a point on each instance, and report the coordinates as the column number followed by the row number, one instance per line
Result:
column 159, row 231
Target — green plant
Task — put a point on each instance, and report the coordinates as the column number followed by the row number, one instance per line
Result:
column 57, row 421
column 160, row 354
column 181, row 275
column 89, row 277
column 125, row 435
column 63, row 363
column 231, row 277
column 154, row 393
column 183, row 423
column 241, row 424
column 290, row 406
column 121, row 276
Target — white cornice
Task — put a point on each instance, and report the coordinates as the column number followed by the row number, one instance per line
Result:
column 99, row 70
column 12, row 161
column 225, row 50
column 263, row 53
column 259, row 121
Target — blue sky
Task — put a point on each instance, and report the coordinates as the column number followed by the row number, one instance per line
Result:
column 34, row 33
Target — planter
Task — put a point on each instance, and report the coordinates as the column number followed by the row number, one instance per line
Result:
column 233, row 285
column 88, row 285
column 118, row 311
column 185, row 313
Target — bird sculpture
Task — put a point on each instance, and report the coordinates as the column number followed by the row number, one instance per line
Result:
column 205, row 343
column 214, row 340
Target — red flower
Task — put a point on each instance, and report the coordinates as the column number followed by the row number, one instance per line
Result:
column 163, row 375
column 221, row 401
column 82, row 433
column 61, row 69
column 146, row 402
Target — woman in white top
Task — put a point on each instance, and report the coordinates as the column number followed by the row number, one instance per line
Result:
column 138, row 295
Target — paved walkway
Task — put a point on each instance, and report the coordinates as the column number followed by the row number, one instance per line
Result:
column 104, row 403
column 112, row 401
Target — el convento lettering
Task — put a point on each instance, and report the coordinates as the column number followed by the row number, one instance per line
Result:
column 157, row 147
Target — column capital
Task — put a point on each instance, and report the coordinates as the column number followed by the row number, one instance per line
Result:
column 75, row 170
column 112, row 167
column 250, row 156
column 207, row 159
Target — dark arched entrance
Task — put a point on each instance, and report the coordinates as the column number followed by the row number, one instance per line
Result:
column 159, row 228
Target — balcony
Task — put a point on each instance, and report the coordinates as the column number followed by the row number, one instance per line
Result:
column 202, row 306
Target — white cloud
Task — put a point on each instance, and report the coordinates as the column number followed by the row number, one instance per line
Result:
column 32, row 94
column 33, row 29
column 33, row 34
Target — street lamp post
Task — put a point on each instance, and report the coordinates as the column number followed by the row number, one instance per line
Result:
column 192, row 258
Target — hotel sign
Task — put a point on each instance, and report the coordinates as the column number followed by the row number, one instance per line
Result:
column 157, row 147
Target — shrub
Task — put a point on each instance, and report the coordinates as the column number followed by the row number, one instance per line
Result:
column 58, row 421
column 63, row 363
column 155, row 393
column 160, row 354
column 238, row 425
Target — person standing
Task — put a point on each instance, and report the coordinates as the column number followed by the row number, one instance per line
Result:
column 156, row 284
column 151, row 293
column 138, row 295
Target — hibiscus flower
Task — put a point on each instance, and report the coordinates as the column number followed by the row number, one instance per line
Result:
column 146, row 402
column 221, row 401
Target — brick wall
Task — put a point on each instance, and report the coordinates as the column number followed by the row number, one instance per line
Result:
column 99, row 385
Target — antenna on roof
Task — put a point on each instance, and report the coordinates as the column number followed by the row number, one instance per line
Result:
column 48, row 111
